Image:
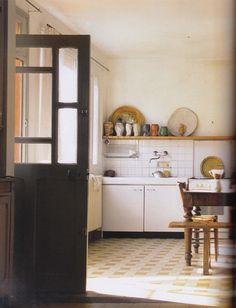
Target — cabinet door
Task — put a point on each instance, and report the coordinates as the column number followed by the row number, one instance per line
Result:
column 4, row 238
column 163, row 204
column 123, row 207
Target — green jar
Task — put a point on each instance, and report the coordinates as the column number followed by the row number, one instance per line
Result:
column 163, row 131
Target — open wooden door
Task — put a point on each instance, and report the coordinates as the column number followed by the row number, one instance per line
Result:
column 51, row 156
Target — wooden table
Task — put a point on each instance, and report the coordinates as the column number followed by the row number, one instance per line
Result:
column 192, row 201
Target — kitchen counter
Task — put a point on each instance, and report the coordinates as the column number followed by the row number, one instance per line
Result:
column 143, row 180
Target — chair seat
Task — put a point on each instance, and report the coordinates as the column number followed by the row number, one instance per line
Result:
column 204, row 218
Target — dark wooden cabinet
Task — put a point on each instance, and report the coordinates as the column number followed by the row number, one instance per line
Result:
column 6, row 235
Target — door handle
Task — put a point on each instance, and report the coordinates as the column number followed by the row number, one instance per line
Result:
column 84, row 112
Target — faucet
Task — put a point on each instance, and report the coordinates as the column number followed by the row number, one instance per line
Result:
column 158, row 155
column 154, row 158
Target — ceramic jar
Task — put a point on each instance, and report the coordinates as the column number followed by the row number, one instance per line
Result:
column 154, row 129
column 163, row 131
column 119, row 129
column 108, row 128
column 137, row 129
column 128, row 128
column 146, row 130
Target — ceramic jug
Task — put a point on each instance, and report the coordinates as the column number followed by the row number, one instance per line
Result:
column 119, row 128
column 136, row 129
column 216, row 173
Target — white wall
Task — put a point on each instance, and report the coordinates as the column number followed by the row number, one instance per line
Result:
column 191, row 68
column 158, row 86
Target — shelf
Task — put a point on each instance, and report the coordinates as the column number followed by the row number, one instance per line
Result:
column 170, row 138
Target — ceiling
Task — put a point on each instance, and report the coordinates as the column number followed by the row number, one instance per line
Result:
column 129, row 28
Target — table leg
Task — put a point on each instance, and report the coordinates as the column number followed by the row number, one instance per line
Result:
column 196, row 240
column 206, row 252
column 188, row 244
column 197, row 211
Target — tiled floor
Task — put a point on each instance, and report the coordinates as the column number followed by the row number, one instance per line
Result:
column 155, row 269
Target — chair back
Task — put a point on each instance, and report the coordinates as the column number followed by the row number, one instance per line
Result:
column 182, row 188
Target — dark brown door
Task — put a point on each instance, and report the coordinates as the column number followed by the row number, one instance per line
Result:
column 51, row 152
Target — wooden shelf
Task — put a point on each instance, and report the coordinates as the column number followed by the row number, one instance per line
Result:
column 170, row 138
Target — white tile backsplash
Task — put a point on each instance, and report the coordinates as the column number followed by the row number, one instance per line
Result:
column 185, row 157
column 180, row 157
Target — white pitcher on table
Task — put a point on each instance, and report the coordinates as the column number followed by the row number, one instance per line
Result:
column 217, row 174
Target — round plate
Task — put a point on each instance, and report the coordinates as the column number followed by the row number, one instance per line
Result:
column 128, row 115
column 182, row 122
column 210, row 162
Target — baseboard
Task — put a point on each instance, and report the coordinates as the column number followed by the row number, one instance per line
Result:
column 177, row 235
column 94, row 235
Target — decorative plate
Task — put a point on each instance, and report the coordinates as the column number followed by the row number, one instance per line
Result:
column 182, row 122
column 210, row 162
column 128, row 115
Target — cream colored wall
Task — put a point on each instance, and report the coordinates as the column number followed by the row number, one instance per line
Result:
column 194, row 70
column 158, row 86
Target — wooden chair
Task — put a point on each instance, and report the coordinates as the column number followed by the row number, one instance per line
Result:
column 197, row 217
column 206, row 226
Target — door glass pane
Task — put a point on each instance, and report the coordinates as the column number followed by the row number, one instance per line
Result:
column 67, row 136
column 68, row 75
column 33, row 153
column 35, row 56
column 33, row 105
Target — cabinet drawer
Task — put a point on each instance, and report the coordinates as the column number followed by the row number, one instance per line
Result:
column 5, row 187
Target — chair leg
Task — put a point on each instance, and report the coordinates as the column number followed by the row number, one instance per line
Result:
column 188, row 245
column 216, row 243
column 206, row 252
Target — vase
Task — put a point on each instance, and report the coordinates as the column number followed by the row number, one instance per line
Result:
column 119, row 129
column 128, row 128
column 137, row 129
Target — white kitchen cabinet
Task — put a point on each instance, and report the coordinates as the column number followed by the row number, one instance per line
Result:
column 123, row 207
column 163, row 204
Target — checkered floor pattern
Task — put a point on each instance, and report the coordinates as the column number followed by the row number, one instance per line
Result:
column 155, row 269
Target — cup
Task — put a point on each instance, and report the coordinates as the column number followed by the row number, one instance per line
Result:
column 163, row 131
column 146, row 130
column 154, row 129
column 108, row 128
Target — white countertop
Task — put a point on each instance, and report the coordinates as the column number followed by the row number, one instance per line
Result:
column 143, row 180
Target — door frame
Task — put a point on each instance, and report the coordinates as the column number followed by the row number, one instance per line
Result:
column 3, row 84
